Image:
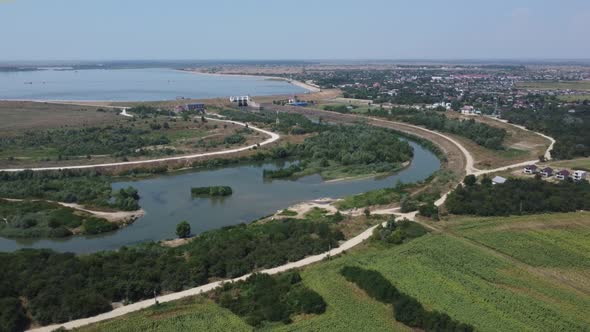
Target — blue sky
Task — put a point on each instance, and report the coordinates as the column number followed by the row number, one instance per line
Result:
column 288, row 29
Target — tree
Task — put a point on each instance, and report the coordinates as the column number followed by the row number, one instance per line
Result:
column 183, row 230
column 470, row 180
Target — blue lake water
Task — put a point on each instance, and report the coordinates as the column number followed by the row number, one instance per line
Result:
column 167, row 201
column 133, row 85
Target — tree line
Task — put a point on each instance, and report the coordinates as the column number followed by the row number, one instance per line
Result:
column 406, row 308
column 518, row 196
column 60, row 287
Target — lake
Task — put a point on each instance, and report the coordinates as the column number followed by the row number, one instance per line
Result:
column 150, row 84
column 167, row 201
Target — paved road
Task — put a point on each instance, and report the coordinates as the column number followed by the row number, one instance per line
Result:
column 273, row 138
column 469, row 169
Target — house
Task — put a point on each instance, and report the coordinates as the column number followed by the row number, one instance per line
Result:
column 468, row 110
column 531, row 169
column 579, row 175
column 563, row 174
column 547, row 172
column 498, row 180
column 199, row 107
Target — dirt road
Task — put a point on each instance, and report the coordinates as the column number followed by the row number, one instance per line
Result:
column 448, row 144
column 273, row 137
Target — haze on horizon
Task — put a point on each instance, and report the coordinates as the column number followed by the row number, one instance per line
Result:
column 37, row 30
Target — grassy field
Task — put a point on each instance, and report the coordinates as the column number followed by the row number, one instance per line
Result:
column 555, row 85
column 520, row 145
column 191, row 314
column 499, row 274
column 574, row 98
column 52, row 147
column 580, row 163
column 20, row 116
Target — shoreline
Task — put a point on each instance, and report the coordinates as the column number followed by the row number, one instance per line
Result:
column 310, row 88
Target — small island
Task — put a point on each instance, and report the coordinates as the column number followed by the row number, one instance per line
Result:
column 214, row 191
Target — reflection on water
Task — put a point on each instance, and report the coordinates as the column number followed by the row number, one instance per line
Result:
column 167, row 200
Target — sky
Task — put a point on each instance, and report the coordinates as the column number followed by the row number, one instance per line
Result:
column 293, row 29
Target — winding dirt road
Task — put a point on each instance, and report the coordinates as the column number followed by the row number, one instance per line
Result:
column 273, row 137
column 468, row 168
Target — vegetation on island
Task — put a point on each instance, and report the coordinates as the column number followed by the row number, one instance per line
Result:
column 39, row 219
column 263, row 298
column 518, row 196
column 213, row 191
column 345, row 151
column 406, row 308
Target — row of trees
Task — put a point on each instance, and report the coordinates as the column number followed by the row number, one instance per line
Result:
column 518, row 196
column 262, row 297
column 60, row 286
column 407, row 309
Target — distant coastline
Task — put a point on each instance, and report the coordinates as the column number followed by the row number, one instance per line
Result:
column 303, row 85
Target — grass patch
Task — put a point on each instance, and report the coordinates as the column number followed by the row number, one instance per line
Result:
column 555, row 85
column 370, row 198
column 192, row 314
column 288, row 213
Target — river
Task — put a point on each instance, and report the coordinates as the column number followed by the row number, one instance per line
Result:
column 167, row 201
column 149, row 84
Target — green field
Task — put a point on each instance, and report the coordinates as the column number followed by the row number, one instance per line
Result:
column 555, row 85
column 191, row 314
column 574, row 98
column 499, row 274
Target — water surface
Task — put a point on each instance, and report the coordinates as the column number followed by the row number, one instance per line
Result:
column 167, row 201
column 133, row 85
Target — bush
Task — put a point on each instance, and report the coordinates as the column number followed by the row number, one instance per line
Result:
column 262, row 297
column 183, row 229
column 93, row 226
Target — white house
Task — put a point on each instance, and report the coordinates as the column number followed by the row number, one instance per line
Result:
column 579, row 175
column 498, row 180
column 469, row 110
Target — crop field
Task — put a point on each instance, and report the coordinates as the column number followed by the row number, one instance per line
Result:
column 191, row 314
column 558, row 244
column 555, row 85
column 498, row 274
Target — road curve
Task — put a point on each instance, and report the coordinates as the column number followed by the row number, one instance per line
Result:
column 273, row 138
column 469, row 169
